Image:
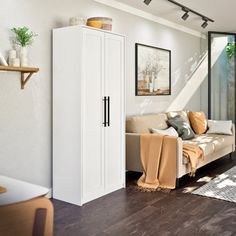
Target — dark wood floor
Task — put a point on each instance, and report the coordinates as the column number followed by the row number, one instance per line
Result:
column 130, row 212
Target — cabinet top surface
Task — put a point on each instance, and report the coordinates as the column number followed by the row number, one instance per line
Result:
column 88, row 27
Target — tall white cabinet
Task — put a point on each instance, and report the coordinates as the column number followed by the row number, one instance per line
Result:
column 88, row 114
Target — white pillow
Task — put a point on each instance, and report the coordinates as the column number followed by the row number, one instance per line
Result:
column 170, row 131
column 220, row 127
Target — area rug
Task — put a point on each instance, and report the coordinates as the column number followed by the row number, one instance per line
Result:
column 222, row 187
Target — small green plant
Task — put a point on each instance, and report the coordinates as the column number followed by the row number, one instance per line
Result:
column 23, row 36
column 230, row 50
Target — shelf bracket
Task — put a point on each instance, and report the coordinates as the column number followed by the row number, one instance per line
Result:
column 26, row 72
column 25, row 80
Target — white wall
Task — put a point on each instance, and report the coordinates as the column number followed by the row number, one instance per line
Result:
column 25, row 115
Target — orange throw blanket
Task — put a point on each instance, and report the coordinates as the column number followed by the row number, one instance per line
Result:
column 158, row 157
column 194, row 154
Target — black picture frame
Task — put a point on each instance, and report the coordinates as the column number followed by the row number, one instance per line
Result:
column 148, row 86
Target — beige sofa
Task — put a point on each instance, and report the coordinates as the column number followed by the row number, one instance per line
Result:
column 214, row 146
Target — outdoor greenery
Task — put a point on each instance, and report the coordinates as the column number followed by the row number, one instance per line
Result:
column 230, row 50
column 23, row 36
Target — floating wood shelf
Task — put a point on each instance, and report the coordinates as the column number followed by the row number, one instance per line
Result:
column 23, row 70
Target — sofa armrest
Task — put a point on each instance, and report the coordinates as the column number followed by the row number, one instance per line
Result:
column 133, row 162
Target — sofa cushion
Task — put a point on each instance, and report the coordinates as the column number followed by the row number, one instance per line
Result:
column 182, row 127
column 183, row 114
column 198, row 122
column 142, row 124
column 211, row 143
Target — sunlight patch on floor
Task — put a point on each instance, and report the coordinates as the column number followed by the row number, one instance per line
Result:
column 225, row 183
column 189, row 189
column 205, row 179
column 221, row 177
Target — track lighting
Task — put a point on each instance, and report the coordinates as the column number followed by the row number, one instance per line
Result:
column 147, row 2
column 185, row 15
column 204, row 24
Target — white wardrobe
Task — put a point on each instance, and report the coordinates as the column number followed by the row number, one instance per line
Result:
column 88, row 114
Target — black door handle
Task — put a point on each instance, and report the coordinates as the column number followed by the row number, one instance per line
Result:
column 105, row 111
column 108, row 99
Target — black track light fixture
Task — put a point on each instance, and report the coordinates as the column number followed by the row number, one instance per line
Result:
column 185, row 15
column 147, row 2
column 186, row 9
column 204, row 24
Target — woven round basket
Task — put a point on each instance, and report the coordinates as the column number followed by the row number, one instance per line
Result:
column 104, row 23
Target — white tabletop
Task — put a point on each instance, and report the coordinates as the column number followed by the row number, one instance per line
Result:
column 18, row 191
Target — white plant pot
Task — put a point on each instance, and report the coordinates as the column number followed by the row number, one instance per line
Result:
column 23, row 55
column 24, row 62
column 12, row 54
column 23, row 51
column 14, row 62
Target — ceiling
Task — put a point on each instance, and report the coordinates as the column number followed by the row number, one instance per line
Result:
column 222, row 11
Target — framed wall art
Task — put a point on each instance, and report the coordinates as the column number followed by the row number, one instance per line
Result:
column 153, row 70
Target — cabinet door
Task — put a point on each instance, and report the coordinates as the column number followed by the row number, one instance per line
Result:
column 93, row 131
column 114, row 133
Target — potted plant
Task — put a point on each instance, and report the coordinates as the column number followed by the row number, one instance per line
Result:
column 23, row 37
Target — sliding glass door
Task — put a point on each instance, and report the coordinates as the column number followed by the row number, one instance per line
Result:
column 222, row 76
